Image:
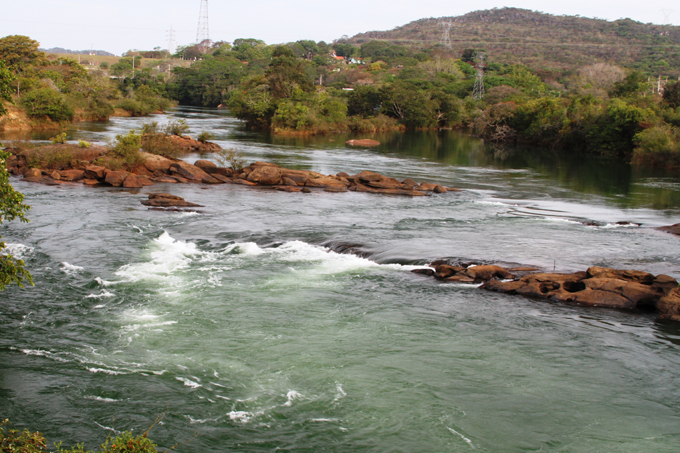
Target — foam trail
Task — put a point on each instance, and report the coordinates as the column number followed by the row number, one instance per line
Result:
column 18, row 251
column 170, row 256
column 461, row 436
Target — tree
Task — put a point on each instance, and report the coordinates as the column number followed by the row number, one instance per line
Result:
column 6, row 79
column 19, row 52
column 671, row 95
column 12, row 270
column 286, row 73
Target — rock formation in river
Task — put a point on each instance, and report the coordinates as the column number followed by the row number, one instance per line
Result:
column 158, row 169
column 595, row 287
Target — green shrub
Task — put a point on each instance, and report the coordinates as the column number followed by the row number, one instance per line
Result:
column 59, row 139
column 46, row 102
column 13, row 440
column 49, row 157
column 84, row 144
column 205, row 136
column 177, row 127
column 127, row 148
column 658, row 146
column 231, row 157
column 104, row 65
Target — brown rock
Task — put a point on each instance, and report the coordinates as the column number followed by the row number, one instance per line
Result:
column 553, row 277
column 164, row 179
column 503, row 287
column 367, row 176
column 222, row 178
column 116, row 178
column 410, row 193
column 326, row 181
column 263, row 164
column 90, row 182
column 335, row 189
column 306, row 190
column 669, row 305
column 189, row 171
column 289, row 188
column 428, row 272
column 640, row 295
column 673, row 229
column 55, row 175
column 154, row 162
column 628, row 275
column 243, row 182
column 664, row 283
column 95, row 172
column 219, row 170
column 136, row 182
column 286, row 181
column 426, row 187
column 180, row 180
column 595, row 298
column 363, row 142
column 211, row 180
column 342, row 174
column 71, row 175
column 265, row 175
column 141, row 170
column 164, row 195
column 439, row 189
column 409, row 184
column 487, row 272
column 446, row 271
column 205, row 165
column 33, row 173
column 386, row 183
column 460, row 278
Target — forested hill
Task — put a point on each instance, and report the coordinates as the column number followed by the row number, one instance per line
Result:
column 543, row 41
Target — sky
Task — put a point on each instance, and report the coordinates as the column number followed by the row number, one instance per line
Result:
column 121, row 25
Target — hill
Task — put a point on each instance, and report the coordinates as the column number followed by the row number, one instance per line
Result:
column 543, row 41
column 61, row 50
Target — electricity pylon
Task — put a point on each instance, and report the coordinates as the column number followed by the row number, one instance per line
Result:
column 666, row 16
column 171, row 40
column 203, row 32
column 446, row 34
column 478, row 90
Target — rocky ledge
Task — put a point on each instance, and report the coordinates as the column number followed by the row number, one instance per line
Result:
column 595, row 287
column 158, row 169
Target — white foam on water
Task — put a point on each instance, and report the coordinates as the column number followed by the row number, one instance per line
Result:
column 617, row 225
column 324, row 420
column 240, row 416
column 245, row 248
column 339, row 392
column 41, row 353
column 108, row 428
column 292, row 395
column 102, row 295
column 18, row 251
column 189, row 382
column 495, row 203
column 70, row 269
column 103, row 283
column 105, row 371
column 462, row 437
column 201, row 421
column 560, row 219
column 104, row 400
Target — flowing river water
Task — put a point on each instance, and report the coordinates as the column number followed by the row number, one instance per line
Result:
column 275, row 321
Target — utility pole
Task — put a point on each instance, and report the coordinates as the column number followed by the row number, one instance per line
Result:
column 171, row 40
column 203, row 32
column 478, row 90
column 446, row 33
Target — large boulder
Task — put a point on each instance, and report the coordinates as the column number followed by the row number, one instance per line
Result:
column 363, row 143
column 669, row 306
column 190, row 172
column 628, row 275
column 116, row 178
column 33, row 173
column 327, row 182
column 265, row 175
column 136, row 182
column 154, row 162
column 205, row 165
column 673, row 229
column 71, row 175
column 95, row 172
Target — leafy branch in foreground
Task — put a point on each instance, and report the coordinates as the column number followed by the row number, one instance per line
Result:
column 12, row 270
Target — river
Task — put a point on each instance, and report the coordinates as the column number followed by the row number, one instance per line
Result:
column 247, row 325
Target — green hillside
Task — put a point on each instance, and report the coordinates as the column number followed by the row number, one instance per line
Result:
column 543, row 41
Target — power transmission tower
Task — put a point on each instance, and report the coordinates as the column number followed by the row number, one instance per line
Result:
column 203, row 32
column 666, row 16
column 478, row 90
column 446, row 33
column 171, row 40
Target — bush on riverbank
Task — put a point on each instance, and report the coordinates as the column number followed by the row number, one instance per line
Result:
column 24, row 441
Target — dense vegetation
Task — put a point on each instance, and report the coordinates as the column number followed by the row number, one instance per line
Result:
column 60, row 90
column 358, row 84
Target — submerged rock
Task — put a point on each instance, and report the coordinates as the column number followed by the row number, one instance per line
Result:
column 363, row 142
column 165, row 200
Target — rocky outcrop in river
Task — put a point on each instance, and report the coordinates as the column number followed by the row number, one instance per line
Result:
column 158, row 169
column 595, row 287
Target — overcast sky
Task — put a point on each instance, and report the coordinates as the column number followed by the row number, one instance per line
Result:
column 117, row 26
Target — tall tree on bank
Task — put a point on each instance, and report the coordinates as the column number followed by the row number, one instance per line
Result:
column 12, row 270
